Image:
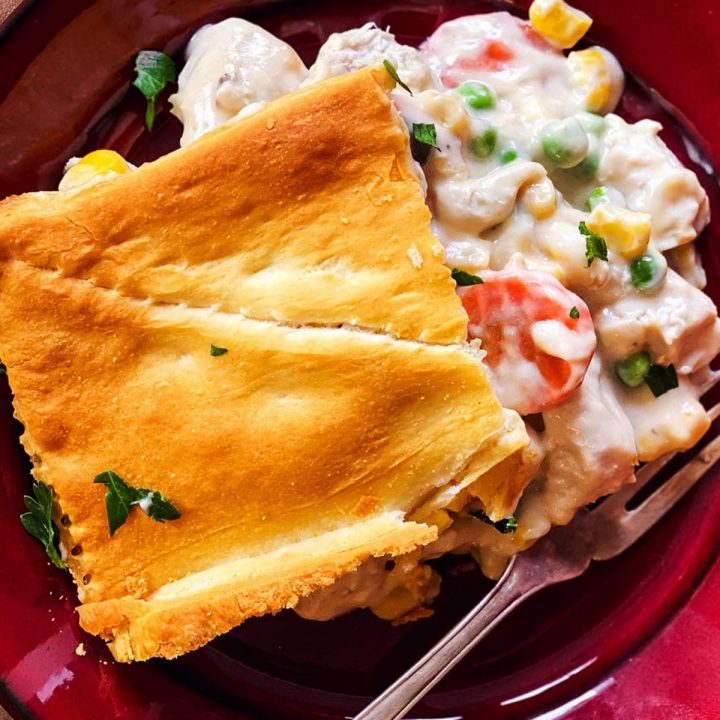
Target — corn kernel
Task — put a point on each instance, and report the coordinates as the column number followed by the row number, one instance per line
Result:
column 626, row 232
column 559, row 23
column 539, row 199
column 447, row 110
column 94, row 167
column 597, row 78
column 398, row 603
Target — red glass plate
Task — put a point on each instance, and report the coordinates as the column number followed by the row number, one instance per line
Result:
column 635, row 637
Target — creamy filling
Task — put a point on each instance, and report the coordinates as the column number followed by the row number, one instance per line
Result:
column 499, row 201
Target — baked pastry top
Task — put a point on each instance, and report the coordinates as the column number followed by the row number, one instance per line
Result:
column 347, row 402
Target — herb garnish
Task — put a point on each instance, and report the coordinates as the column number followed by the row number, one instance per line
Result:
column 506, row 526
column 423, row 139
column 38, row 521
column 394, row 75
column 639, row 367
column 154, row 71
column 3, row 369
column 595, row 246
column 464, row 279
column 215, row 350
column 574, row 313
column 661, row 378
column 120, row 498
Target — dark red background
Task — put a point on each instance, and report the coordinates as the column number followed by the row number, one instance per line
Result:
column 637, row 637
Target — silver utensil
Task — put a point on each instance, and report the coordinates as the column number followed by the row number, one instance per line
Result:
column 599, row 533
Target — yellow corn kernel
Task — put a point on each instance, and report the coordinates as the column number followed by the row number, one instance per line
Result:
column 626, row 232
column 440, row 519
column 398, row 603
column 559, row 23
column 447, row 110
column 92, row 168
column 597, row 78
column 539, row 199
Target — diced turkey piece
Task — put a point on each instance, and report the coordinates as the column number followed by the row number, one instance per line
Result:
column 232, row 65
column 475, row 205
column 590, row 448
column 674, row 421
column 639, row 164
column 677, row 325
column 368, row 45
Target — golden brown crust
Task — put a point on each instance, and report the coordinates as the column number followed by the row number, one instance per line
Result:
column 306, row 212
column 299, row 443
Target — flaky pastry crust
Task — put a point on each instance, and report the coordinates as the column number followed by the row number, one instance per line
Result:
column 346, row 399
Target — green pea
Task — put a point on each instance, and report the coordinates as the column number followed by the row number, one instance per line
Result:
column 483, row 145
column 477, row 95
column 647, row 270
column 508, row 156
column 587, row 169
column 564, row 142
column 591, row 122
column 633, row 369
column 598, row 196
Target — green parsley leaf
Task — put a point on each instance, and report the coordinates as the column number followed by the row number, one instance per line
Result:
column 422, row 139
column 120, row 498
column 425, row 133
column 574, row 313
column 506, row 526
column 154, row 70
column 215, row 350
column 595, row 246
column 661, row 378
column 464, row 279
column 508, row 156
column 38, row 521
column 394, row 75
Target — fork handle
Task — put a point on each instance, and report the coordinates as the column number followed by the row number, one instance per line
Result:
column 509, row 591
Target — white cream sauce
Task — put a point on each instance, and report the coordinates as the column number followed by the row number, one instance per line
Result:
column 231, row 65
column 521, row 214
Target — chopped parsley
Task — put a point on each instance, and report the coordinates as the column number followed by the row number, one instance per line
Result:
column 154, row 70
column 506, row 526
column 637, row 368
column 661, row 378
column 120, row 498
column 595, row 246
column 423, row 139
column 215, row 350
column 574, row 313
column 38, row 521
column 464, row 279
column 394, row 75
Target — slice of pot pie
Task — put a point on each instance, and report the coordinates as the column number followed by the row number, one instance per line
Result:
column 259, row 331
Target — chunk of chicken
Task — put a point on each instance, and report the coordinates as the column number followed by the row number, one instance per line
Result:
column 637, row 162
column 368, row 45
column 677, row 325
column 590, row 448
column 232, row 65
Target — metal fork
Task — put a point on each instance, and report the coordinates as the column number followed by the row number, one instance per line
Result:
column 600, row 533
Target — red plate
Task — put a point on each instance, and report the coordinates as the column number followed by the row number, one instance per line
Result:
column 634, row 638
